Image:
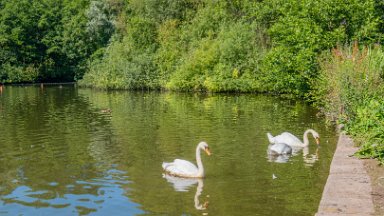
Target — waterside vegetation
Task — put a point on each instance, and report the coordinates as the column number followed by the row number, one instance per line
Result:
column 328, row 52
column 350, row 90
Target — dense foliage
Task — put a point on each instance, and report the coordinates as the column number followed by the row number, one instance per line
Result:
column 242, row 46
column 280, row 46
column 350, row 89
column 51, row 40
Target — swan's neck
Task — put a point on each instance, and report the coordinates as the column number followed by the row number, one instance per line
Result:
column 305, row 137
column 200, row 167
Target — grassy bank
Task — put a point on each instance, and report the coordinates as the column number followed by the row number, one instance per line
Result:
column 350, row 90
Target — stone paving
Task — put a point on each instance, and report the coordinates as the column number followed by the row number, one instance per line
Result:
column 348, row 188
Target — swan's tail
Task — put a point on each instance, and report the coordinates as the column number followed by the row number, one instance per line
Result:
column 270, row 138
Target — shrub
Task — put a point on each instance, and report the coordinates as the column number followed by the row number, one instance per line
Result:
column 18, row 74
column 367, row 126
column 122, row 67
column 226, row 62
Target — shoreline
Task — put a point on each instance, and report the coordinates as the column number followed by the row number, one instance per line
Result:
column 353, row 186
column 38, row 83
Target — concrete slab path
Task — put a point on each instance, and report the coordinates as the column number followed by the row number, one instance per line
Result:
column 348, row 188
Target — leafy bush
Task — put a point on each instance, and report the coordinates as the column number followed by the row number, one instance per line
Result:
column 300, row 31
column 15, row 74
column 226, row 62
column 368, row 127
column 121, row 68
column 52, row 36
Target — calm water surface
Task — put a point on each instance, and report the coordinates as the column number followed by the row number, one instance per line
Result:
column 71, row 151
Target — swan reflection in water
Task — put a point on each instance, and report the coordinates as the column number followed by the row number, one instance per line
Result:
column 279, row 152
column 184, row 184
column 310, row 159
column 278, row 158
column 284, row 156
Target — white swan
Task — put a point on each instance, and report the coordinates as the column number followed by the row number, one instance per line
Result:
column 279, row 149
column 292, row 140
column 186, row 169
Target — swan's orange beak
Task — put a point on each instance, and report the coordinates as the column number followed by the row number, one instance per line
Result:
column 207, row 151
column 317, row 140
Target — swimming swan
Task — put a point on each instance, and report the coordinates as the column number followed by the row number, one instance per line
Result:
column 292, row 140
column 186, row 169
column 279, row 149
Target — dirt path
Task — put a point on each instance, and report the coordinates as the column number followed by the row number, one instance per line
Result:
column 376, row 174
column 349, row 189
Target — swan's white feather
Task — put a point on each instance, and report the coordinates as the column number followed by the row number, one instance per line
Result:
column 279, row 148
column 288, row 139
column 181, row 168
column 270, row 138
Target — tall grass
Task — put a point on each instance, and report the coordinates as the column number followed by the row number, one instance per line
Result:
column 350, row 90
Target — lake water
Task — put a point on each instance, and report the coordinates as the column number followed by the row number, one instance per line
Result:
column 72, row 151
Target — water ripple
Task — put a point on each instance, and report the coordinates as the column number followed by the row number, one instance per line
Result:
column 99, row 195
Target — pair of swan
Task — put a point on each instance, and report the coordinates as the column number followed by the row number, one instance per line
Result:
column 281, row 144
